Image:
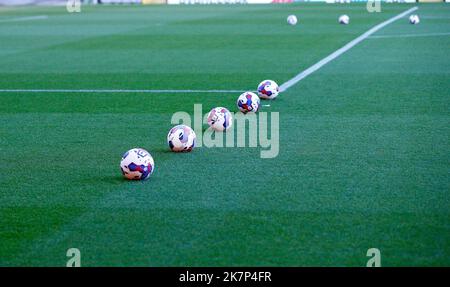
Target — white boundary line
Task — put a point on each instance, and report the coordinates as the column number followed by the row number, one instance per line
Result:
column 28, row 18
column 409, row 35
column 117, row 91
column 341, row 51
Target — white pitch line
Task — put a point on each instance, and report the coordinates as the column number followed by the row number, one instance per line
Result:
column 409, row 35
column 341, row 51
column 116, row 91
column 28, row 18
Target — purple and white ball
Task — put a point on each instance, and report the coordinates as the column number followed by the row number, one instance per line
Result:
column 344, row 19
column 181, row 138
column 137, row 164
column 268, row 89
column 248, row 102
column 292, row 20
column 220, row 119
column 414, row 19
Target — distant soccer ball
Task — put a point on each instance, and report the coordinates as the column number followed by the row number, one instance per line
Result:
column 181, row 138
column 220, row 119
column 137, row 164
column 292, row 20
column 248, row 102
column 344, row 19
column 268, row 89
column 414, row 19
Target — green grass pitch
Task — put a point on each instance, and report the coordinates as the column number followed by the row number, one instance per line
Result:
column 364, row 142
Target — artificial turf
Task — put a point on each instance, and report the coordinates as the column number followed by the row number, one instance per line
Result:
column 364, row 142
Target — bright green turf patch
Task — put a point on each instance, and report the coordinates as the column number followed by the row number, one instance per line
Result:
column 364, row 141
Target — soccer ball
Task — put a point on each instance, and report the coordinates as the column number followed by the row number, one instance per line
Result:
column 344, row 19
column 220, row 119
column 181, row 138
column 292, row 20
column 137, row 164
column 414, row 19
column 248, row 102
column 268, row 89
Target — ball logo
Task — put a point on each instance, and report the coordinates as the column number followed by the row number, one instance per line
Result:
column 141, row 153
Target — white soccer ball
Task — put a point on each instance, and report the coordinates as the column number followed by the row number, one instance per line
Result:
column 344, row 19
column 292, row 20
column 181, row 138
column 414, row 19
column 220, row 119
column 268, row 89
column 248, row 102
column 137, row 164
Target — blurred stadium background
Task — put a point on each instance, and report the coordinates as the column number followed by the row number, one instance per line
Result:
column 64, row 2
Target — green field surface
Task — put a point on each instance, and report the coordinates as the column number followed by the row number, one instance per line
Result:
column 364, row 158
